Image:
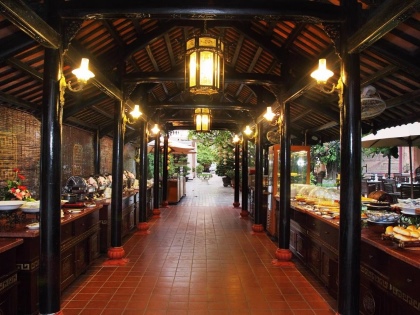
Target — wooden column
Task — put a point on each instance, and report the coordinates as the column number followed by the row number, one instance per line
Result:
column 283, row 253
column 116, row 251
column 350, row 191
column 143, row 225
column 156, row 210
column 50, row 190
column 165, row 170
column 258, row 197
column 244, row 212
column 236, row 203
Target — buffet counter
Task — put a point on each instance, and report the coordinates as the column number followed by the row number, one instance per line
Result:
column 389, row 274
column 8, row 275
column 79, row 248
column 130, row 216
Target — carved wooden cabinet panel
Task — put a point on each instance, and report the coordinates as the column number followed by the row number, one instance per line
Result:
column 8, row 276
column 68, row 268
column 388, row 285
column 129, row 220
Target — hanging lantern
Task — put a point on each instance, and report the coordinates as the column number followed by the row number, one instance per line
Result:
column 204, row 66
column 202, row 119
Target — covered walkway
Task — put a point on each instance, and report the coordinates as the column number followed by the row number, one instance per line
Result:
column 200, row 258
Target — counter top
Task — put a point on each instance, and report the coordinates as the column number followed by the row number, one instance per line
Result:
column 9, row 243
column 20, row 230
column 410, row 255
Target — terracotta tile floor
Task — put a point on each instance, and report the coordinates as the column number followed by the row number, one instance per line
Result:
column 200, row 258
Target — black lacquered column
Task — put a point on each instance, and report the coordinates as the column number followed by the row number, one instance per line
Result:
column 236, row 203
column 156, row 210
column 165, row 170
column 258, row 193
column 143, row 225
column 116, row 251
column 50, row 190
column 350, row 191
column 283, row 253
column 245, row 188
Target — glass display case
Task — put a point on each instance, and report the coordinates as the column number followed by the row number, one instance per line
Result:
column 300, row 169
column 300, row 165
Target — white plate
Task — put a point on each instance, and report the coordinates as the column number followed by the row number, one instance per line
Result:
column 9, row 205
column 33, row 226
column 382, row 222
column 29, row 210
column 409, row 211
column 75, row 210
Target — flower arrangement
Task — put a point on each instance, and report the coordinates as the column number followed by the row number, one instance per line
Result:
column 14, row 190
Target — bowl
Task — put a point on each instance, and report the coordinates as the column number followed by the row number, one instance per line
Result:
column 10, row 205
column 382, row 216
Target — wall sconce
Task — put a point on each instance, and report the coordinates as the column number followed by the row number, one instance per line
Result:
column 236, row 139
column 155, row 130
column 322, row 74
column 204, row 65
column 202, row 117
column 83, row 74
column 269, row 115
column 248, row 131
column 135, row 113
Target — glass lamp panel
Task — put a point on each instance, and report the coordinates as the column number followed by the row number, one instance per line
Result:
column 205, row 121
column 206, row 68
column 207, row 42
column 190, row 44
column 193, row 70
column 198, row 122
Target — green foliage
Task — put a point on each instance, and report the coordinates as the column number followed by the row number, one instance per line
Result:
column 326, row 153
column 199, row 169
column 385, row 151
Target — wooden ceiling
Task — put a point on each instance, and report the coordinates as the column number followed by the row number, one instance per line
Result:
column 145, row 41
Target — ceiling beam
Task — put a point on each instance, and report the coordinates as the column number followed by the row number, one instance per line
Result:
column 21, row 15
column 311, row 12
column 177, row 76
column 224, row 106
column 384, row 19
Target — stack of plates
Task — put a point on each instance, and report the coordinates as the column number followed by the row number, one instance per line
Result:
column 30, row 207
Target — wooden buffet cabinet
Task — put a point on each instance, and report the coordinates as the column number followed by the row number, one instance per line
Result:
column 390, row 276
column 79, row 248
column 83, row 236
column 128, row 221
column 8, row 275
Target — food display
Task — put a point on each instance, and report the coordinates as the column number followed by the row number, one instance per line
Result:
column 404, row 236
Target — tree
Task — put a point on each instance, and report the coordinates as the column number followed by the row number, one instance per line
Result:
column 215, row 146
column 328, row 154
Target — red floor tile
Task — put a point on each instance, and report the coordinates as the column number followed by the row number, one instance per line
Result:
column 200, row 258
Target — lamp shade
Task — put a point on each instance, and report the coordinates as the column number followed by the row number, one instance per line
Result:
column 269, row 115
column 83, row 73
column 204, row 66
column 322, row 74
column 202, row 119
column 136, row 113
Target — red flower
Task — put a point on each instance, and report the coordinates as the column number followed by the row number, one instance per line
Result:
column 21, row 187
column 21, row 177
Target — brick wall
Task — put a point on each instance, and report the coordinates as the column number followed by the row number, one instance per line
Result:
column 20, row 142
